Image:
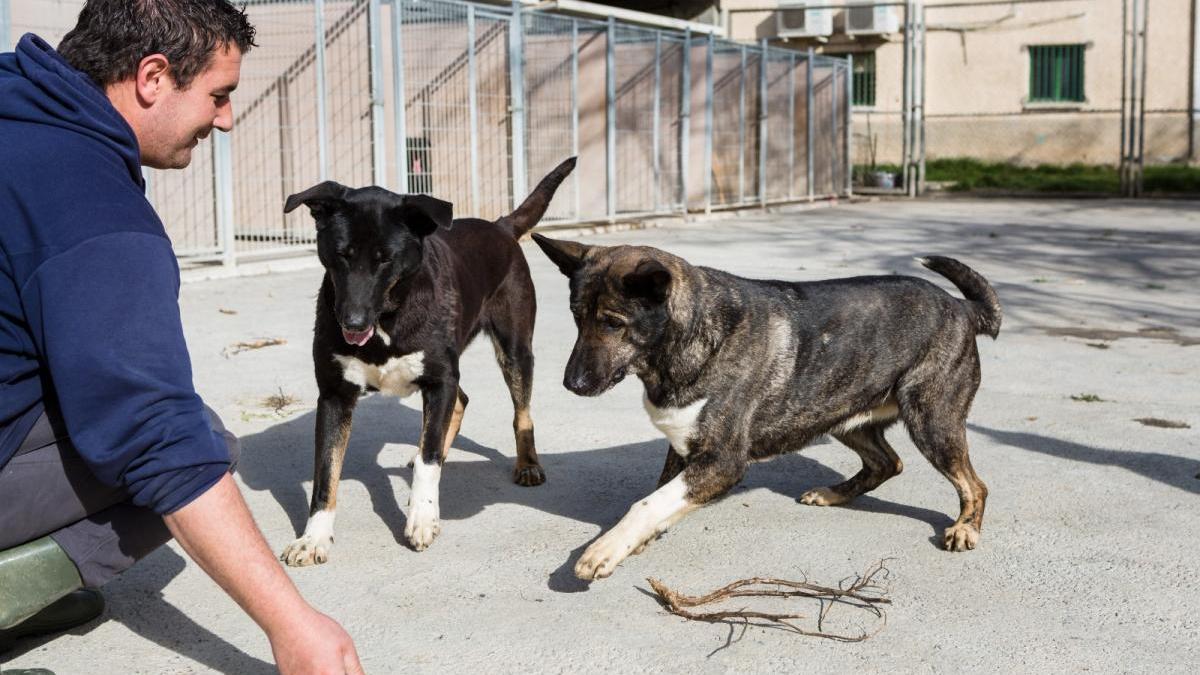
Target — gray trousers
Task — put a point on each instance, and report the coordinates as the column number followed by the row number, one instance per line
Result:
column 48, row 490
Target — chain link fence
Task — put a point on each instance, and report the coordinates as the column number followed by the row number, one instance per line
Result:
column 475, row 103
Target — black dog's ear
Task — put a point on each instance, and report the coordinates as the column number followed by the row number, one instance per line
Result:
column 423, row 214
column 650, row 280
column 568, row 255
column 321, row 199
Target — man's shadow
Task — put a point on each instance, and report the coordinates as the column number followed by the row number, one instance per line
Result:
column 594, row 486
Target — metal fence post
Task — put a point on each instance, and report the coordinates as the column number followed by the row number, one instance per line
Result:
column 808, row 118
column 473, row 109
column 401, row 98
column 849, row 124
column 575, row 108
column 610, row 132
column 6, row 37
column 322, row 121
column 763, row 112
column 834, row 164
column 708, row 123
column 791, row 126
column 516, row 75
column 685, row 117
column 742, row 130
column 378, row 130
column 223, row 195
column 657, row 170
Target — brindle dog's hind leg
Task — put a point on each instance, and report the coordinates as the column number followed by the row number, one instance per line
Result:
column 879, row 463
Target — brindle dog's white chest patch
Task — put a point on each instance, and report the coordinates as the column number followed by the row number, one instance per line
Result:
column 677, row 424
column 396, row 377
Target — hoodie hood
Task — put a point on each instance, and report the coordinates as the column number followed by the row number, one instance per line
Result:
column 39, row 87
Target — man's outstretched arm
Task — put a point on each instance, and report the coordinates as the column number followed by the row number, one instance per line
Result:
column 218, row 532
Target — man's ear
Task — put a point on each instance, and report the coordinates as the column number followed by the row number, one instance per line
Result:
column 152, row 78
column 423, row 214
column 321, row 199
column 568, row 255
column 650, row 280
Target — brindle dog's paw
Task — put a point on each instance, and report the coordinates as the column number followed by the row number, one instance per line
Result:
column 307, row 550
column 423, row 526
column 961, row 537
column 602, row 557
column 529, row 475
column 822, row 496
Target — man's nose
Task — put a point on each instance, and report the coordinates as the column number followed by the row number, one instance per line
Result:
column 224, row 118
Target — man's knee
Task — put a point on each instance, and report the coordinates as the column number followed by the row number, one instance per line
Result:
column 231, row 441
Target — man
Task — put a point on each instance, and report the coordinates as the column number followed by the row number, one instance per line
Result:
column 106, row 450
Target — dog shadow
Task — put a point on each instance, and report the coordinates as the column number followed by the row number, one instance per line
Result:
column 595, row 486
column 135, row 600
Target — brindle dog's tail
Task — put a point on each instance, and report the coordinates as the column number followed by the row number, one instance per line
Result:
column 534, row 207
column 981, row 297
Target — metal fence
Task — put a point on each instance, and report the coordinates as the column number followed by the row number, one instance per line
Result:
column 475, row 103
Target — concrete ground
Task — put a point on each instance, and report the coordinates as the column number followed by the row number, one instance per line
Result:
column 1088, row 561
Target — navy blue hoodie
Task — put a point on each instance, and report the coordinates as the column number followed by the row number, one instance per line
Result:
column 89, row 284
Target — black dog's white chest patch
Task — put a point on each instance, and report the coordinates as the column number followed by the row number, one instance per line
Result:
column 397, row 377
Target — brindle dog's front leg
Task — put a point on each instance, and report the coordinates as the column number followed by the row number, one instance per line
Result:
column 424, row 515
column 706, row 476
column 672, row 467
column 334, row 414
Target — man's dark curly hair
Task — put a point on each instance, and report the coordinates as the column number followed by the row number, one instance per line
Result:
column 113, row 36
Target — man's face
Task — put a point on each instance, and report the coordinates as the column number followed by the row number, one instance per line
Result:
column 184, row 117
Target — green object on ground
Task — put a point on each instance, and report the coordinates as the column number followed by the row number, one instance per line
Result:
column 972, row 174
column 33, row 576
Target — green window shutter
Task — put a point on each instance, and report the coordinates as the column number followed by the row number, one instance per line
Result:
column 864, row 79
column 1056, row 73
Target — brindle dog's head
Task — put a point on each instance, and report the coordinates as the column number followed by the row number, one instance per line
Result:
column 369, row 240
column 620, row 298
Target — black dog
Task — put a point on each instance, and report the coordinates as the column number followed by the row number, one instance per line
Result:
column 404, row 293
column 737, row 370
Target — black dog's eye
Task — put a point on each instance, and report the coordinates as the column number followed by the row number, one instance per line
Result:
column 346, row 253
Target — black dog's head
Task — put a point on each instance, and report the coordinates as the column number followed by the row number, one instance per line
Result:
column 369, row 240
column 620, row 299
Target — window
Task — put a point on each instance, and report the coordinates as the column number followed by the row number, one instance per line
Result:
column 864, row 77
column 1056, row 73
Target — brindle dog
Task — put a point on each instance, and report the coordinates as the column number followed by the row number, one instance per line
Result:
column 404, row 293
column 738, row 370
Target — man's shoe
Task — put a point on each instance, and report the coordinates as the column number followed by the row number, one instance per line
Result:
column 69, row 611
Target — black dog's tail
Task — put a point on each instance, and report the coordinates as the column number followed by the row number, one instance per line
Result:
column 980, row 295
column 534, row 207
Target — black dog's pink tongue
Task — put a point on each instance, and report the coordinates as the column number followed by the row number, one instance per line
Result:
column 359, row 339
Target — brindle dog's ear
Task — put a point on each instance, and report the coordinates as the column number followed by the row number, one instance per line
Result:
column 423, row 214
column 568, row 255
column 650, row 280
column 321, row 199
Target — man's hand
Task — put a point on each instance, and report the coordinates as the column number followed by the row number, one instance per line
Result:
column 217, row 531
column 317, row 645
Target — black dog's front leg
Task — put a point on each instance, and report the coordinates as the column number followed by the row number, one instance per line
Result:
column 424, row 522
column 334, row 415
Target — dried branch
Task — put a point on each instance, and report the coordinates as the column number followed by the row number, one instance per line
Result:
column 866, row 592
column 247, row 345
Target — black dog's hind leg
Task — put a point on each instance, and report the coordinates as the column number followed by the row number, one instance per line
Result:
column 879, row 463
column 334, row 414
column 512, row 336
column 440, row 399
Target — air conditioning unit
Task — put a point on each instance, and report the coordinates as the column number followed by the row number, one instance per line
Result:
column 794, row 20
column 870, row 19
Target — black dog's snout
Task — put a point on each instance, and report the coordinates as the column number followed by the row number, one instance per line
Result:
column 355, row 322
column 577, row 383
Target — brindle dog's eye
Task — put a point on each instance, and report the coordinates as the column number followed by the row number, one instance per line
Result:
column 613, row 323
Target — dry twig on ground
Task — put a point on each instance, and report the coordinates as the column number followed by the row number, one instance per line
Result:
column 867, row 592
column 247, row 345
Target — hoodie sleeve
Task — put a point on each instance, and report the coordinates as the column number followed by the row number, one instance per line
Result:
column 105, row 316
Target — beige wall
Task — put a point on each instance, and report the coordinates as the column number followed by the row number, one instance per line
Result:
column 978, row 81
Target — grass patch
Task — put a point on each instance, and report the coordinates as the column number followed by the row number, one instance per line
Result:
column 973, row 174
